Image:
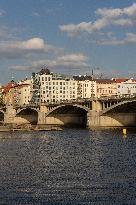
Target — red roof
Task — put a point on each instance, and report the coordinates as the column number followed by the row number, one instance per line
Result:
column 21, row 85
column 7, row 87
column 120, row 80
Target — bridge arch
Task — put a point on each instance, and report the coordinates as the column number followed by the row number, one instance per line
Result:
column 26, row 115
column 121, row 107
column 72, row 115
column 121, row 114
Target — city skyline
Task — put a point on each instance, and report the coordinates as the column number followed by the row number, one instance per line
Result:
column 71, row 37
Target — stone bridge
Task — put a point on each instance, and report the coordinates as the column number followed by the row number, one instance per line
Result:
column 91, row 113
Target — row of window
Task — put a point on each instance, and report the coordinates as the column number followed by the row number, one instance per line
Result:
column 46, row 79
column 134, row 86
column 104, row 91
column 61, row 96
column 57, row 88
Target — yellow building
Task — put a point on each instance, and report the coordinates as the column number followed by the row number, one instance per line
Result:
column 106, row 88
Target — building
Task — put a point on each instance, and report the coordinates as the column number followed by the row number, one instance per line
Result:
column 8, row 93
column 23, row 94
column 51, row 87
column 86, row 86
column 24, row 91
column 17, row 94
column 126, row 87
column 106, row 88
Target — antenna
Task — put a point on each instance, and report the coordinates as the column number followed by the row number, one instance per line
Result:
column 12, row 76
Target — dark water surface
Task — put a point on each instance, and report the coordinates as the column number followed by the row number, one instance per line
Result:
column 68, row 167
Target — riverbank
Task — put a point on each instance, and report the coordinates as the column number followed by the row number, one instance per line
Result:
column 27, row 127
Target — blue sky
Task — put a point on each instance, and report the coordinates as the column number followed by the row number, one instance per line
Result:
column 68, row 36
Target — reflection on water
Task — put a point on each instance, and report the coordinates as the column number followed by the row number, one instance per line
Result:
column 68, row 167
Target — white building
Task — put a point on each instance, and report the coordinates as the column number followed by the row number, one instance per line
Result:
column 55, row 88
column 126, row 87
column 86, row 86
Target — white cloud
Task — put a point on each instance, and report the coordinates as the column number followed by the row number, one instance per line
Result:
column 36, row 14
column 16, row 49
column 2, row 12
column 106, row 17
column 109, row 13
column 117, row 12
column 123, row 22
column 131, row 10
column 72, row 57
column 69, row 61
column 34, row 43
column 129, row 38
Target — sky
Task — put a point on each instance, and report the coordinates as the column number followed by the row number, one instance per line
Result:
column 67, row 36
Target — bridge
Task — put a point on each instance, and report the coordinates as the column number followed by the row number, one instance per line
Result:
column 104, row 112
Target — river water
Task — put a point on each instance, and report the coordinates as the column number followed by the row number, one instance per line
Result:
column 72, row 166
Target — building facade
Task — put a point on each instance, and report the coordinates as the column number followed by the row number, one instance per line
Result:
column 106, row 88
column 23, row 94
column 126, row 87
column 86, row 87
column 52, row 87
column 17, row 94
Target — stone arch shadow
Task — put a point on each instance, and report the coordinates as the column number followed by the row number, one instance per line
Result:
column 2, row 116
column 27, row 116
column 68, row 116
column 123, row 113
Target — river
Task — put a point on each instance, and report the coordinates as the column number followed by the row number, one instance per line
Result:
column 73, row 166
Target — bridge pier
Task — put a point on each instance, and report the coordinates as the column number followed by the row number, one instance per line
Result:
column 9, row 115
column 41, row 114
column 97, row 105
column 93, row 119
column 41, row 118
